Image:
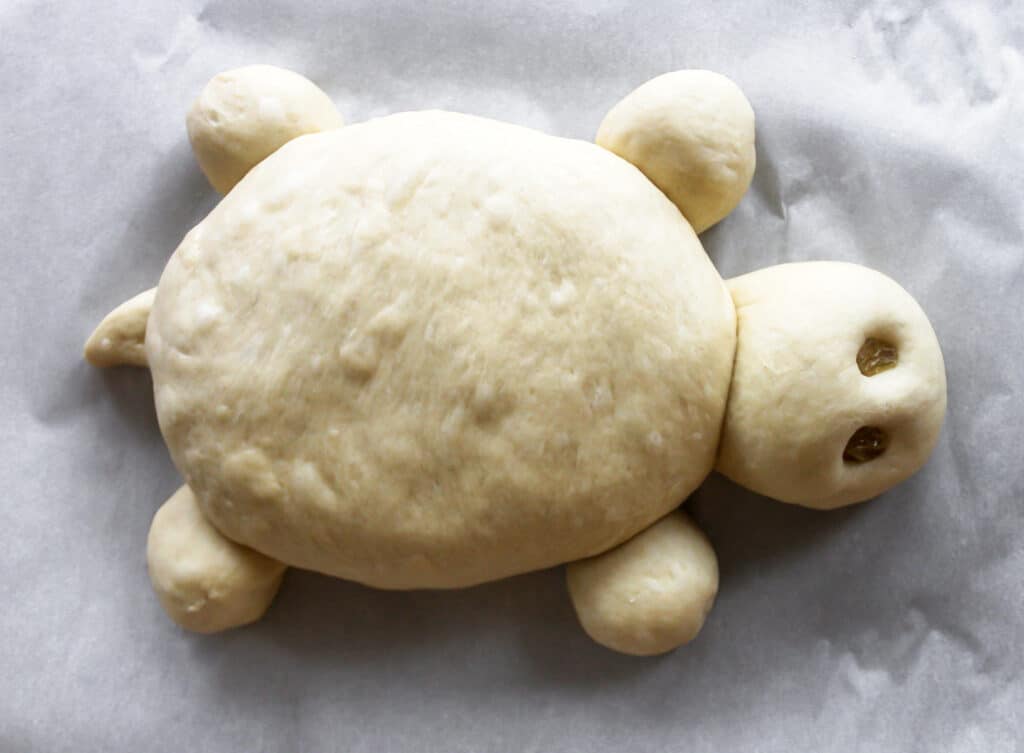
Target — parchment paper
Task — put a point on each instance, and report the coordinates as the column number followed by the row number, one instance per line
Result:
column 889, row 133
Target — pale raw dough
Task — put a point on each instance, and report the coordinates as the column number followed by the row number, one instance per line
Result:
column 651, row 594
column 798, row 395
column 244, row 115
column 205, row 582
column 691, row 133
column 121, row 337
column 432, row 350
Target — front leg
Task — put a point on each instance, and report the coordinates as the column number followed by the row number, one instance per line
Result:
column 692, row 134
column 205, row 581
column 650, row 594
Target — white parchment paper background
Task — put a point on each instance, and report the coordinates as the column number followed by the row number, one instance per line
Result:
column 889, row 133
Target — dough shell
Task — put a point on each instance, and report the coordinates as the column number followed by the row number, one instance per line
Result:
column 432, row 350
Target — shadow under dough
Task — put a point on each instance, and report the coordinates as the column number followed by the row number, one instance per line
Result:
column 749, row 530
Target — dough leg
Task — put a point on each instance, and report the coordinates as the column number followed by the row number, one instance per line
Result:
column 206, row 582
column 692, row 134
column 650, row 594
column 246, row 114
column 121, row 337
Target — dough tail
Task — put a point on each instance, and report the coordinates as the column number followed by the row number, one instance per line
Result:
column 120, row 339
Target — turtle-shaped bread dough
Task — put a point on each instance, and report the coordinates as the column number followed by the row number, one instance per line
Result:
column 432, row 350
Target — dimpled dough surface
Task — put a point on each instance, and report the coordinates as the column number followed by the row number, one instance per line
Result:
column 432, row 350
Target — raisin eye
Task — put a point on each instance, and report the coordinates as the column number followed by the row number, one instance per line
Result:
column 876, row 356
column 867, row 443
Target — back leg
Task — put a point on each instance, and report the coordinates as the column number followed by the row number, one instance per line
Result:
column 244, row 115
column 206, row 582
